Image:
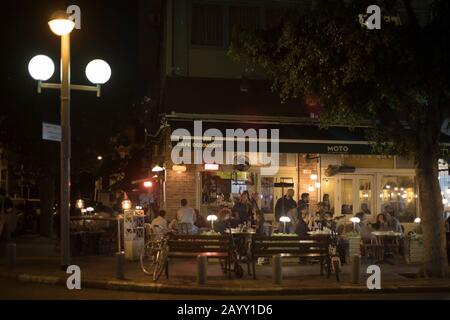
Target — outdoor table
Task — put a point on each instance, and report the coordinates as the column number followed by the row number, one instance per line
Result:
column 243, row 241
column 319, row 233
column 381, row 237
column 87, row 238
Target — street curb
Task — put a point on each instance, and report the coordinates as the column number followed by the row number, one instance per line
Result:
column 123, row 285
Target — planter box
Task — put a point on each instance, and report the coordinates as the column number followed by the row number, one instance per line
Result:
column 414, row 251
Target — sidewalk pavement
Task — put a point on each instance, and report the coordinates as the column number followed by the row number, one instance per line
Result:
column 38, row 261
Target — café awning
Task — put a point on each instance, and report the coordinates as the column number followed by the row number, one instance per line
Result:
column 293, row 138
column 296, row 135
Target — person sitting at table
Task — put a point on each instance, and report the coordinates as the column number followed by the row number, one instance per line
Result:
column 220, row 225
column 302, row 228
column 360, row 224
column 328, row 221
column 232, row 221
column 159, row 224
column 186, row 217
column 173, row 225
column 380, row 223
column 244, row 208
column 259, row 222
column 292, row 225
column 200, row 221
column 392, row 221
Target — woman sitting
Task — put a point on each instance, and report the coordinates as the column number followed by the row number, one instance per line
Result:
column 381, row 223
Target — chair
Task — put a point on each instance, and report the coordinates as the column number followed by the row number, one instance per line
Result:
column 185, row 228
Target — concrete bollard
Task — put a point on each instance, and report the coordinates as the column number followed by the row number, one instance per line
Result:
column 11, row 254
column 201, row 269
column 277, row 272
column 356, row 268
column 120, row 265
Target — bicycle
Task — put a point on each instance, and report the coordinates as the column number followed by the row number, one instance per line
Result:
column 153, row 257
column 334, row 262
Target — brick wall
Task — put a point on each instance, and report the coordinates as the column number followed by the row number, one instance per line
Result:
column 305, row 167
column 179, row 186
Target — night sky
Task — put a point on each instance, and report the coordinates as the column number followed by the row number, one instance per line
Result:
column 108, row 31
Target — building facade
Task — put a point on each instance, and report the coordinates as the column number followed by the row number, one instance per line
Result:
column 200, row 82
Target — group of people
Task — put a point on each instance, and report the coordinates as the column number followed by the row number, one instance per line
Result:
column 245, row 212
column 187, row 219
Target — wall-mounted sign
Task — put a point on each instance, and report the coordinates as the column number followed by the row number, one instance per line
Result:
column 51, row 132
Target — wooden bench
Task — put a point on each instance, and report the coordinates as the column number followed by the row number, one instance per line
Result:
column 192, row 246
column 287, row 246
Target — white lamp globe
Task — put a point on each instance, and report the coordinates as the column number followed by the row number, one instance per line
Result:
column 285, row 219
column 211, row 217
column 60, row 24
column 355, row 220
column 98, row 71
column 41, row 67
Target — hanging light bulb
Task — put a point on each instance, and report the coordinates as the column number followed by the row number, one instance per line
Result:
column 313, row 175
column 317, row 185
column 310, row 188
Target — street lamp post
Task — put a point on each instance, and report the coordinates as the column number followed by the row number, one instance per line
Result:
column 41, row 68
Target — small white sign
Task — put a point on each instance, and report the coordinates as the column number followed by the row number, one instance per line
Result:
column 51, row 131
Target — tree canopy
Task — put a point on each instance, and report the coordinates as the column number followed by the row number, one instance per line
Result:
column 398, row 76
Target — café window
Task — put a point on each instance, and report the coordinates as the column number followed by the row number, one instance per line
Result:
column 267, row 194
column 244, row 17
column 400, row 193
column 207, row 25
column 221, row 188
column 444, row 182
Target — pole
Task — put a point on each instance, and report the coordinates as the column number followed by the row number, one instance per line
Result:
column 65, row 151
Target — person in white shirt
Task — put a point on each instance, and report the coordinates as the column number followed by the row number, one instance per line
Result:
column 186, row 215
column 159, row 224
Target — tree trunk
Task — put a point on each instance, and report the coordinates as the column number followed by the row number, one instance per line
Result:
column 47, row 197
column 431, row 209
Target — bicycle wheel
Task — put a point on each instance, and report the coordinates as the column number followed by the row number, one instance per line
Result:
column 147, row 259
column 160, row 262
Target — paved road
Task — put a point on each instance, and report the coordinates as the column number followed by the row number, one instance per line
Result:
column 11, row 289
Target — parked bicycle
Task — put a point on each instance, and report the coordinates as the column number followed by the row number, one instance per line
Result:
column 153, row 258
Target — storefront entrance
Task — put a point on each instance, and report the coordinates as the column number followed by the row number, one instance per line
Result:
column 349, row 194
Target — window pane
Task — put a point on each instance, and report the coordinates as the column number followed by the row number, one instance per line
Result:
column 400, row 193
column 365, row 195
column 207, row 25
column 328, row 187
column 347, row 196
column 245, row 17
column 267, row 194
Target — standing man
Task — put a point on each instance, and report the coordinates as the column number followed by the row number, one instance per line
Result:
column 285, row 204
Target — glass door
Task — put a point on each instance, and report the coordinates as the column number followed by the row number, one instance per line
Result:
column 354, row 194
